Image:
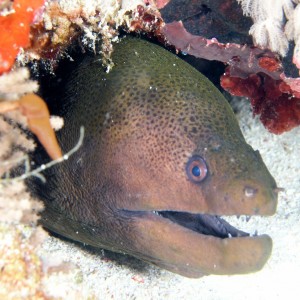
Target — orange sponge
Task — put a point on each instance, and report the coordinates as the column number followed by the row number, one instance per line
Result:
column 15, row 30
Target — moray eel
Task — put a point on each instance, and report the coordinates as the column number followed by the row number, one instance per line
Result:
column 163, row 158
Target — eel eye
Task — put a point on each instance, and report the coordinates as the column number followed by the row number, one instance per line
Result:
column 196, row 169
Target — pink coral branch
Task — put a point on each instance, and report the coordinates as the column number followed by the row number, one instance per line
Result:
column 293, row 83
column 244, row 60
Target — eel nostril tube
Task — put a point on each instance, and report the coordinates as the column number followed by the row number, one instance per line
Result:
column 278, row 189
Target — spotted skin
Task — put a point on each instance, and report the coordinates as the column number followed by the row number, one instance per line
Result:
column 143, row 121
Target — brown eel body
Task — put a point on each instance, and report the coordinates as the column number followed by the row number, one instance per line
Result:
column 162, row 159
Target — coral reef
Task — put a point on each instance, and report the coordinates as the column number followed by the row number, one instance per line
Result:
column 279, row 111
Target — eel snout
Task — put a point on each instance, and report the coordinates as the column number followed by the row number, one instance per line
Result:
column 243, row 197
column 196, row 245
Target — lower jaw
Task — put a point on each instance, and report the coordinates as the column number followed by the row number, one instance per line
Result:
column 164, row 241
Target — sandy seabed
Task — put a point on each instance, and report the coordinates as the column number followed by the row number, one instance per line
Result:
column 98, row 276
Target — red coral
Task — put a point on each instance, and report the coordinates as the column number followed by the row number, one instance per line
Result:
column 148, row 21
column 269, row 64
column 251, row 72
column 15, row 29
column 271, row 99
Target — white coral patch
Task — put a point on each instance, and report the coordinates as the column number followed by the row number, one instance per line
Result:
column 269, row 30
column 269, row 34
column 16, row 83
column 292, row 31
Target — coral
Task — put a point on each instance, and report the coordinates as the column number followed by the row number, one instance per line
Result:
column 244, row 60
column 15, row 25
column 38, row 120
column 26, row 275
column 268, row 15
column 20, row 208
column 65, row 20
column 16, row 83
column 275, row 23
column 14, row 148
column 279, row 112
column 15, row 28
column 222, row 20
column 21, row 269
column 252, row 72
column 292, row 31
column 20, row 112
column 147, row 21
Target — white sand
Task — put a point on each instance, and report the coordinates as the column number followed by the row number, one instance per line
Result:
column 100, row 278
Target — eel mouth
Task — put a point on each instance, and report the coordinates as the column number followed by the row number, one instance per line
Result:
column 203, row 223
column 194, row 245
